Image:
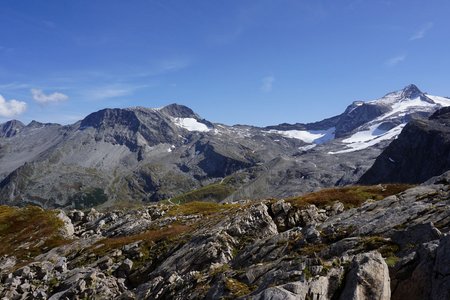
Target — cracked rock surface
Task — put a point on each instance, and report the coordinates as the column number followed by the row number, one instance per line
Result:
column 394, row 248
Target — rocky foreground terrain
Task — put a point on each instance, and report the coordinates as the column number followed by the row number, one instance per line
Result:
column 378, row 242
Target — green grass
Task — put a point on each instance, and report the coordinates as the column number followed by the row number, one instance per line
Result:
column 198, row 207
column 391, row 261
column 311, row 250
column 386, row 247
column 215, row 192
column 29, row 231
column 237, row 288
column 90, row 198
column 149, row 237
column 351, row 196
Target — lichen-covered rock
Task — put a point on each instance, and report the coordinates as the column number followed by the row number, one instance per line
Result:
column 254, row 250
column 67, row 230
column 320, row 288
column 367, row 279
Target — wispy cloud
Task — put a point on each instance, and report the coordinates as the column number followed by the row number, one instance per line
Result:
column 267, row 84
column 11, row 107
column 14, row 86
column 172, row 65
column 227, row 37
column 111, row 91
column 108, row 92
column 420, row 34
column 160, row 67
column 393, row 61
column 40, row 97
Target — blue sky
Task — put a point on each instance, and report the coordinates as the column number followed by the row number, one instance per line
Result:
column 249, row 62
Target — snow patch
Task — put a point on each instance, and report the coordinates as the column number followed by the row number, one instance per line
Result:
column 308, row 136
column 365, row 139
column 191, row 124
column 307, row 147
column 440, row 100
column 403, row 106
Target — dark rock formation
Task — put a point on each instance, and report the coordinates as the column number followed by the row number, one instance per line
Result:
column 420, row 152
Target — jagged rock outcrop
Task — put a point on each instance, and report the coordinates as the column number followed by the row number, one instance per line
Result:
column 367, row 279
column 396, row 247
column 420, row 152
column 10, row 128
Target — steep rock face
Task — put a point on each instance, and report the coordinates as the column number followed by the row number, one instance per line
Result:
column 368, row 278
column 10, row 128
column 357, row 115
column 178, row 111
column 420, row 152
column 126, row 126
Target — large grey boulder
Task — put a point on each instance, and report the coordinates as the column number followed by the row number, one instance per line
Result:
column 317, row 288
column 367, row 279
column 67, row 230
column 441, row 278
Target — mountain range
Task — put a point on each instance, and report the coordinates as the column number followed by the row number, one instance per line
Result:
column 378, row 230
column 122, row 156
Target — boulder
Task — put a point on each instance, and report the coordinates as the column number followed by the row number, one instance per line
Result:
column 67, row 230
column 367, row 279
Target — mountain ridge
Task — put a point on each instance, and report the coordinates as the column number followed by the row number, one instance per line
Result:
column 143, row 154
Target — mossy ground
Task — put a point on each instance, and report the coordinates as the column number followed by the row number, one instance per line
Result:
column 199, row 207
column 215, row 192
column 351, row 196
column 149, row 237
column 237, row 288
column 29, row 231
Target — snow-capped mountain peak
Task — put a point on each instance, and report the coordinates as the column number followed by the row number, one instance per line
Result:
column 410, row 92
column 403, row 105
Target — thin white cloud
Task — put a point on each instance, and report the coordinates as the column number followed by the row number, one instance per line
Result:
column 393, row 61
column 267, row 84
column 14, row 86
column 227, row 37
column 172, row 65
column 40, row 97
column 420, row 34
column 11, row 107
column 108, row 92
column 112, row 91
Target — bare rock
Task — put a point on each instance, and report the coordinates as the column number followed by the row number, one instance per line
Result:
column 320, row 288
column 368, row 278
column 441, row 278
column 67, row 230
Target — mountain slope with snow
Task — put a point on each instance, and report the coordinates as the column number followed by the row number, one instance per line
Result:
column 142, row 154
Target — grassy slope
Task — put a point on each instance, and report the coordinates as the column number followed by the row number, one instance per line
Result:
column 350, row 196
column 29, row 231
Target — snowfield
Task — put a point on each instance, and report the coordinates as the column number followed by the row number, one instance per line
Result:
column 191, row 124
column 364, row 139
column 308, row 136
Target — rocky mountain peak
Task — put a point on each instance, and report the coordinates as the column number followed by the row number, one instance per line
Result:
column 411, row 91
column 37, row 124
column 178, row 111
column 10, row 128
column 111, row 117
